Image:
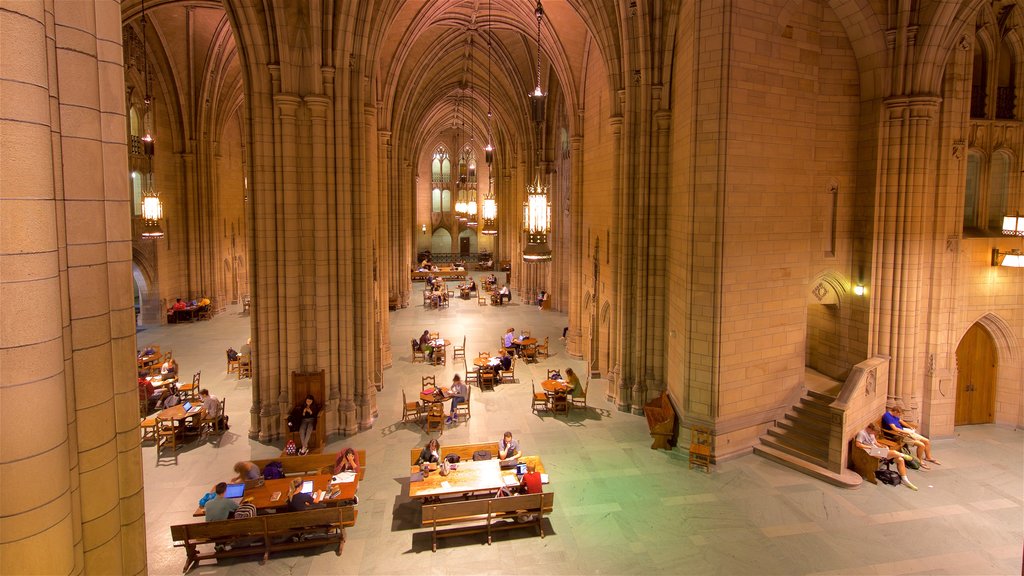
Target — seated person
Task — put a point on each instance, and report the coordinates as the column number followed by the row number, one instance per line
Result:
column 431, row 453
column 508, row 447
column 458, row 394
column 232, row 354
column 204, row 301
column 531, row 483
column 866, row 440
column 893, row 420
column 430, row 281
column 246, row 471
column 299, row 501
column 148, row 393
column 348, row 461
column 179, row 304
column 506, row 360
column 173, row 398
column 211, row 406
column 573, row 382
column 541, row 298
column 472, row 285
column 169, row 369
column 504, row 293
column 220, row 507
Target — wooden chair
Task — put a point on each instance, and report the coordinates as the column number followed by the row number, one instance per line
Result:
column 472, row 376
column 509, row 376
column 418, row 355
column 459, row 351
column 148, row 428
column 524, row 333
column 481, row 298
column 427, row 382
column 560, row 404
column 529, row 353
column 207, row 424
column 167, row 431
column 700, row 448
column 552, row 373
column 428, row 298
column 487, row 380
column 542, row 349
column 484, row 354
column 434, row 335
column 539, row 400
column 435, row 417
column 463, row 408
column 580, row 401
column 440, row 356
column 232, row 364
column 244, row 366
column 414, row 409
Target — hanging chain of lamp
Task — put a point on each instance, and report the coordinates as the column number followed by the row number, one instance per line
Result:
column 152, row 208
column 537, row 209
column 489, row 210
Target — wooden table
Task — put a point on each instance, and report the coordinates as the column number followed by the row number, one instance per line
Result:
column 555, row 386
column 469, row 476
column 481, row 361
column 433, row 398
column 440, row 349
column 177, row 412
column 525, row 342
column 262, row 495
column 159, row 383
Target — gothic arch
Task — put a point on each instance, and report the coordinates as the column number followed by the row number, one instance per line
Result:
column 1009, row 385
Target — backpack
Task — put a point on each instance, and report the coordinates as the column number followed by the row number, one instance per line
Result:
column 890, row 477
column 482, row 455
column 289, row 448
column 273, row 470
column 453, row 458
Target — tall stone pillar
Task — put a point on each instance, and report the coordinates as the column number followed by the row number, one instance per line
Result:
column 72, row 498
column 904, row 181
column 578, row 244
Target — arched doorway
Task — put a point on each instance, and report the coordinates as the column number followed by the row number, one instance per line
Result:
column 976, row 361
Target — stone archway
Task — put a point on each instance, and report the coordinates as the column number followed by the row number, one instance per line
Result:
column 830, row 344
column 147, row 289
column 1008, row 380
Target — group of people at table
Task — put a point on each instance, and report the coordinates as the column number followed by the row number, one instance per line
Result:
column 509, row 452
column 221, row 505
column 892, row 420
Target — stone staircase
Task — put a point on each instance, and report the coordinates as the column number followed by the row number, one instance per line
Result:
column 801, row 441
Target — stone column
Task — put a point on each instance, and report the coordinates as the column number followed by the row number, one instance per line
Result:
column 578, row 244
column 67, row 382
column 904, row 185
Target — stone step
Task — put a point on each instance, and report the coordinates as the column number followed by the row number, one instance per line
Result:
column 809, row 425
column 844, row 479
column 815, row 405
column 803, row 412
column 814, row 445
column 823, row 398
column 772, row 442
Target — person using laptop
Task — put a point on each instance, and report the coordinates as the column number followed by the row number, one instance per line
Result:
column 508, row 448
column 246, row 471
column 531, row 482
column 298, row 500
column 220, row 508
column 867, row 441
column 211, row 406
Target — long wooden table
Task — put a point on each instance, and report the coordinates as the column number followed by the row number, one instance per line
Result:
column 469, row 476
column 263, row 496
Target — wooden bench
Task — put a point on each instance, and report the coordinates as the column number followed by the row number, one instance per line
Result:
column 865, row 464
column 264, row 534
column 661, row 419
column 487, row 515
column 443, row 274
column 311, row 463
column 465, row 451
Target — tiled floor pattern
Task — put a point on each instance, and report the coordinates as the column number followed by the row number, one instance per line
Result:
column 620, row 508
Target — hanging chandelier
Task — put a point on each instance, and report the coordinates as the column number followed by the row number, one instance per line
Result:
column 537, row 209
column 152, row 207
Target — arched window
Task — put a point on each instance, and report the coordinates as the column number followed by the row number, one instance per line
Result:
column 133, row 116
column 971, row 192
column 998, row 187
column 1005, row 94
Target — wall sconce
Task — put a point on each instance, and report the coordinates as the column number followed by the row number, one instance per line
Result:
column 423, row 227
column 859, row 290
column 1013, row 225
column 1011, row 259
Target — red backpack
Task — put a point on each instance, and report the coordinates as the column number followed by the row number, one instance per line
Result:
column 290, row 449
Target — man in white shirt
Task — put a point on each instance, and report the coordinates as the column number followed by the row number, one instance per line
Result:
column 867, row 441
column 211, row 406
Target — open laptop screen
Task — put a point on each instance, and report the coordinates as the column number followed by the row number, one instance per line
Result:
column 234, row 491
column 307, row 486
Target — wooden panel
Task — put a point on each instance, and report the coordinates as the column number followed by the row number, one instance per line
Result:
column 976, row 375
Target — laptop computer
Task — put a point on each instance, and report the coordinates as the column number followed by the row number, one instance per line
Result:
column 307, row 487
column 187, row 406
column 234, row 491
column 521, row 469
column 508, row 463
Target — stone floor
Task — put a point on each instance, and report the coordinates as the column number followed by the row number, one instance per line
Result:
column 619, row 506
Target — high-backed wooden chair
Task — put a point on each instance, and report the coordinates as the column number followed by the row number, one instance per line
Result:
column 414, row 409
column 463, row 408
column 309, row 383
column 484, row 354
column 481, row 298
column 428, row 298
column 459, row 351
column 435, row 417
column 207, row 424
column 472, row 376
column 148, row 428
column 244, row 366
column 418, row 355
column 700, row 448
column 434, row 335
column 167, row 432
column 232, row 364
column 539, row 400
column 580, row 400
column 427, row 382
column 542, row 349
column 560, row 403
column 508, row 376
column 487, row 380
column 552, row 373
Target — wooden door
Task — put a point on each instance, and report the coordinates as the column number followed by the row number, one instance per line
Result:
column 976, row 378
column 464, row 245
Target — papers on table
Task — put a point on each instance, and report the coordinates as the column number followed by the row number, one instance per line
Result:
column 543, row 478
column 343, row 477
column 416, row 477
column 445, row 485
column 510, row 480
